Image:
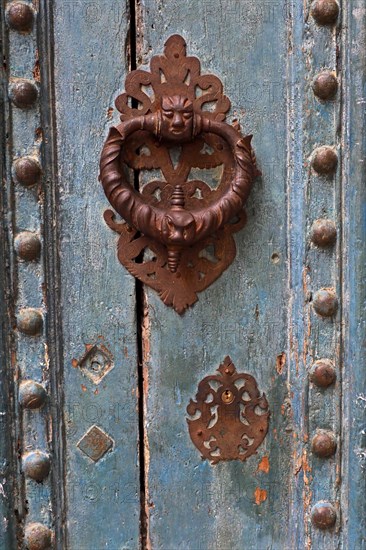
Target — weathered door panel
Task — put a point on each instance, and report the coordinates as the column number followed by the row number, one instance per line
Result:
column 243, row 314
column 118, row 365
column 97, row 297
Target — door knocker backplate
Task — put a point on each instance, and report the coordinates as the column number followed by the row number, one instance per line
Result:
column 229, row 419
column 178, row 235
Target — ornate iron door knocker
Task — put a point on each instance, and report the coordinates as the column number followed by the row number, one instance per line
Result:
column 172, row 220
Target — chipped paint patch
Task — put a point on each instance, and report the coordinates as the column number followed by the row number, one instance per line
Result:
column 260, row 495
column 280, row 362
column 263, row 466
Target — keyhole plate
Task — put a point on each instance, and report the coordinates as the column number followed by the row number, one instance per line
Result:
column 229, row 419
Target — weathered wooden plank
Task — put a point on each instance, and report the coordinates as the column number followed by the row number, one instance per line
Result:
column 312, row 337
column 27, row 355
column 191, row 504
column 98, row 298
column 353, row 289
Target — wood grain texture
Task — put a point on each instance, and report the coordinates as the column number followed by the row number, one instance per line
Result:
column 27, row 356
column 98, row 298
column 311, row 337
column 353, row 501
column 244, row 314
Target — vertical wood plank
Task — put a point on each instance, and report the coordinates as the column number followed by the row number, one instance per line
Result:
column 353, row 508
column 98, row 298
column 190, row 503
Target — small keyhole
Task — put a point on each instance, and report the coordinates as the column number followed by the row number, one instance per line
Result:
column 227, row 397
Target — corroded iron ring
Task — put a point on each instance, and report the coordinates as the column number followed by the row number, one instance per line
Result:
column 176, row 227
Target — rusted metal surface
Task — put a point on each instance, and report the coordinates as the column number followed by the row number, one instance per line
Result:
column 178, row 217
column 325, row 160
column 323, row 515
column 325, row 85
column 27, row 171
column 30, row 321
column 95, row 443
column 36, row 465
column 38, row 537
column 324, row 444
column 323, row 373
column 233, row 415
column 32, row 395
column 323, row 232
column 325, row 12
column 96, row 362
column 27, row 246
column 325, row 302
column 20, row 16
column 24, row 93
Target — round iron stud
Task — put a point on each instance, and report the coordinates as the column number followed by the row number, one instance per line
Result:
column 31, row 394
column 27, row 171
column 323, row 515
column 24, row 94
column 324, row 444
column 325, row 85
column 325, row 12
column 323, row 373
column 37, row 536
column 36, row 465
column 27, row 246
column 324, row 160
column 30, row 321
column 325, row 302
column 20, row 17
column 323, row 233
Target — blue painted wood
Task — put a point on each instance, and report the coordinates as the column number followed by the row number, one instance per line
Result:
column 260, row 310
column 191, row 504
column 353, row 289
column 98, row 297
column 26, row 356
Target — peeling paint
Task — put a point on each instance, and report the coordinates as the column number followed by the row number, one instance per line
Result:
column 263, row 466
column 260, row 495
column 280, row 362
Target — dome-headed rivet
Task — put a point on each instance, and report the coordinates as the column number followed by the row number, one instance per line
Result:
column 20, row 16
column 325, row 85
column 323, row 232
column 325, row 302
column 325, row 12
column 37, row 536
column 324, row 444
column 36, row 465
column 30, row 321
column 27, row 171
column 24, row 94
column 323, row 373
column 32, row 395
column 323, row 515
column 27, row 246
column 324, row 160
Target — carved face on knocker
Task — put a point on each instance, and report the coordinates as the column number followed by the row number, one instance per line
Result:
column 177, row 118
column 179, row 228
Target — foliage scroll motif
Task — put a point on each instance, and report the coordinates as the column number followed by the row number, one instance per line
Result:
column 173, row 219
column 229, row 419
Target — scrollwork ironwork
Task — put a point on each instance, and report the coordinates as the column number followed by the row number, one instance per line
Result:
column 178, row 216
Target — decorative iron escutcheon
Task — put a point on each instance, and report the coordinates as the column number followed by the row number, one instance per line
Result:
column 229, row 419
column 178, row 238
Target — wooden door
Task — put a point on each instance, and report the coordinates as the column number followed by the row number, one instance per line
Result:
column 97, row 372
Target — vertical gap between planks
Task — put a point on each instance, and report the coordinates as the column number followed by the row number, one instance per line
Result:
column 140, row 312
column 45, row 42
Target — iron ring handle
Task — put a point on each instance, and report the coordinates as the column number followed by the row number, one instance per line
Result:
column 176, row 227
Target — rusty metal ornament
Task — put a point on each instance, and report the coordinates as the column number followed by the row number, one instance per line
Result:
column 229, row 419
column 174, row 219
